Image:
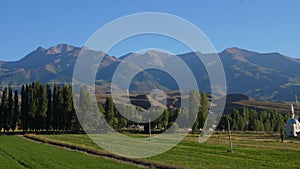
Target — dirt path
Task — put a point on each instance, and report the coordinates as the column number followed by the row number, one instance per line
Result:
column 136, row 162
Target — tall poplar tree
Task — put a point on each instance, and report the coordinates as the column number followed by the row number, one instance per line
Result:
column 55, row 107
column 32, row 107
column 194, row 108
column 42, row 105
column 9, row 116
column 67, row 106
column 203, row 109
column 49, row 108
column 60, row 109
column 24, row 108
column 16, row 111
column 4, row 109
column 109, row 111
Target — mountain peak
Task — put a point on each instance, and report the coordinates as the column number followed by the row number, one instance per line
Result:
column 41, row 49
column 237, row 53
column 236, row 50
column 60, row 48
column 156, row 53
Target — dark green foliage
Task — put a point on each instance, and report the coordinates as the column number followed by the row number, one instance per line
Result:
column 60, row 109
column 109, row 111
column 55, row 109
column 24, row 108
column 202, row 113
column 253, row 120
column 10, row 110
column 16, row 112
column 49, row 112
column 32, row 106
column 40, row 110
column 203, row 109
column 194, row 108
column 67, row 107
column 4, row 110
column 165, row 119
column 42, row 106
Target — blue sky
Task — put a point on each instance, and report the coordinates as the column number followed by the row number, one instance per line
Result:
column 263, row 26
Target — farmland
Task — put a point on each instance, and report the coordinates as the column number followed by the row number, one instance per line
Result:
column 250, row 151
column 17, row 152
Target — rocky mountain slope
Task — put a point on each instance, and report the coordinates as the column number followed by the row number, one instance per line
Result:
column 265, row 76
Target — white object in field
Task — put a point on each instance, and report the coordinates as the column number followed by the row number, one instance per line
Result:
column 292, row 127
column 293, row 112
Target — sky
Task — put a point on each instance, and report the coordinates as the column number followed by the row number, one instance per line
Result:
column 256, row 25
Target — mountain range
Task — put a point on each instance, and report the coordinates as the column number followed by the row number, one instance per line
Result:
column 263, row 76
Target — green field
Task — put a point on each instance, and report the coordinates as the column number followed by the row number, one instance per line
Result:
column 250, row 151
column 18, row 152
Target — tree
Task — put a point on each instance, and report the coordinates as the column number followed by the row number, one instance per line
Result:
column 165, row 119
column 24, row 108
column 10, row 109
column 109, row 111
column 245, row 118
column 55, row 107
column 88, row 112
column 75, row 124
column 183, row 120
column 60, row 109
column 68, row 106
column 173, row 116
column 4, row 110
column 119, row 122
column 32, row 108
column 203, row 109
column 16, row 111
column 253, row 115
column 49, row 108
column 42, row 105
column 282, row 135
column 194, row 109
column 235, row 119
column 279, row 122
column 223, row 122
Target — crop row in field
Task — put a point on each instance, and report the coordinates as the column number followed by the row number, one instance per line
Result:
column 250, row 151
column 17, row 152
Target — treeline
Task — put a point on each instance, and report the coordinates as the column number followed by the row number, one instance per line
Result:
column 161, row 119
column 38, row 108
column 253, row 120
column 50, row 108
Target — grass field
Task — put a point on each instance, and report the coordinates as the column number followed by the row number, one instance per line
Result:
column 250, row 151
column 17, row 152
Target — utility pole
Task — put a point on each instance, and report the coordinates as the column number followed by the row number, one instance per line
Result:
column 229, row 134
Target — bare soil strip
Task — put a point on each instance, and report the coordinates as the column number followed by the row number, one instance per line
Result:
column 133, row 161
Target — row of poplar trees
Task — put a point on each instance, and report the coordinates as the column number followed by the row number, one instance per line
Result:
column 39, row 108
column 50, row 108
